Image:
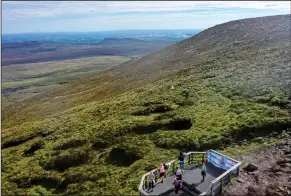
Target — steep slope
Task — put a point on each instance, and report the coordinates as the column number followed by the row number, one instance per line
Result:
column 231, row 84
column 261, row 44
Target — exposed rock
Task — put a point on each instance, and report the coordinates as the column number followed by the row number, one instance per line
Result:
column 240, row 180
column 255, row 173
column 274, row 134
column 271, row 179
column 285, row 165
column 279, row 173
column 245, row 141
column 276, row 168
column 282, row 161
column 273, row 193
column 285, row 134
column 287, row 151
column 251, row 167
column 275, row 190
column 253, row 191
column 259, row 139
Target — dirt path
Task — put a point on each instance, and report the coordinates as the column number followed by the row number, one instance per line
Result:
column 273, row 177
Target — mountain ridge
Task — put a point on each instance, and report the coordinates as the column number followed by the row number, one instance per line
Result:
column 113, row 40
column 204, row 48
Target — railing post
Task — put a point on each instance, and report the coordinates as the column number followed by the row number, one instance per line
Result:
column 229, row 175
column 221, row 185
column 145, row 184
column 237, row 171
column 203, row 158
column 173, row 167
column 189, row 160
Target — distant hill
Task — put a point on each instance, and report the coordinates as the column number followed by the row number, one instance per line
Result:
column 112, row 41
column 17, row 45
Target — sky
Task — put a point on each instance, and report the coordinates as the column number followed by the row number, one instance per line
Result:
column 89, row 16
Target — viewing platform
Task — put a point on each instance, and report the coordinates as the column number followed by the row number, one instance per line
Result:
column 220, row 170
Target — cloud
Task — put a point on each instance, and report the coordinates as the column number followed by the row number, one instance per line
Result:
column 56, row 16
column 12, row 10
column 133, row 21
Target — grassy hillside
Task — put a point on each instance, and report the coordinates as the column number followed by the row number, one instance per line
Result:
column 21, row 81
column 98, row 136
column 245, row 55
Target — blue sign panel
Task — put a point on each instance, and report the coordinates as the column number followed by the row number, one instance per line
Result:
column 220, row 161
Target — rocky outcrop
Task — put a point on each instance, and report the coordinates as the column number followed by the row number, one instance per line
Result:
column 251, row 167
column 267, row 175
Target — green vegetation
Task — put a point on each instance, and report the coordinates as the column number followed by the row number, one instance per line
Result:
column 28, row 80
column 76, row 137
column 237, row 150
column 114, row 128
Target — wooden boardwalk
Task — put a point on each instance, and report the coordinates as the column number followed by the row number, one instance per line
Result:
column 191, row 176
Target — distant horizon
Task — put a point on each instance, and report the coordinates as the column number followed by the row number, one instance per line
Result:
column 93, row 37
column 19, row 17
column 103, row 31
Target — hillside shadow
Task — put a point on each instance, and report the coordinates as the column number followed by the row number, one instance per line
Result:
column 120, row 157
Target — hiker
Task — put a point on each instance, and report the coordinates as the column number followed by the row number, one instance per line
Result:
column 152, row 183
column 181, row 158
column 162, row 172
column 177, row 185
column 166, row 167
column 203, row 171
column 178, row 173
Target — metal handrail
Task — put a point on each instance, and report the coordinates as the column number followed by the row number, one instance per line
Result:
column 225, row 173
column 210, row 187
column 143, row 177
column 213, row 182
column 224, row 155
column 141, row 184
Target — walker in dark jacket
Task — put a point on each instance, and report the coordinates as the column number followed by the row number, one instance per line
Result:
column 203, row 172
column 181, row 159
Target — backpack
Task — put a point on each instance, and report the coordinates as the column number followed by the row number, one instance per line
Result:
column 178, row 183
column 181, row 158
column 166, row 166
